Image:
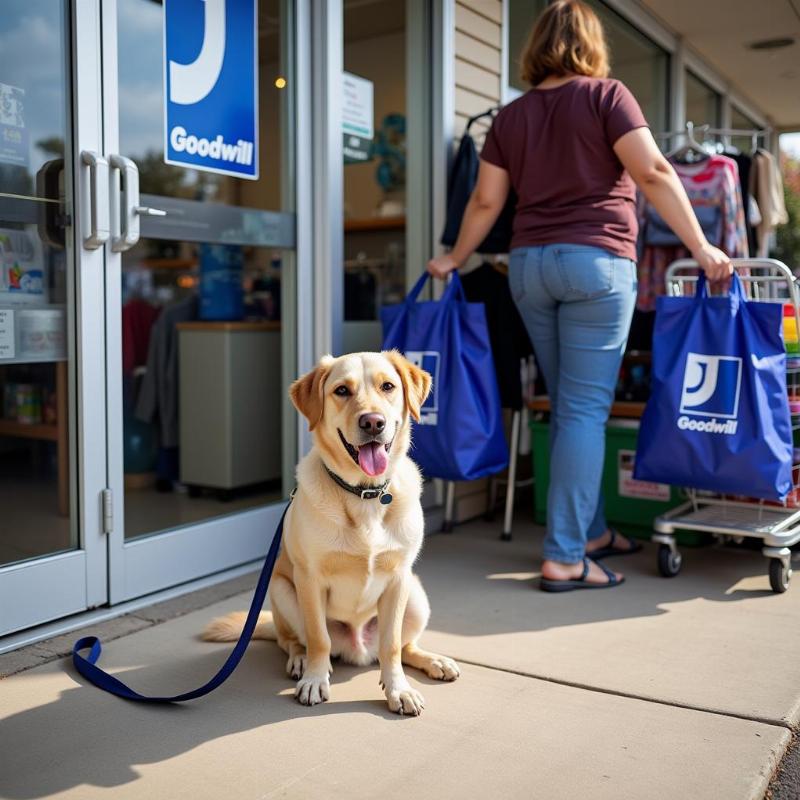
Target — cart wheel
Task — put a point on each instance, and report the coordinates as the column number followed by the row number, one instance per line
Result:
column 669, row 563
column 779, row 575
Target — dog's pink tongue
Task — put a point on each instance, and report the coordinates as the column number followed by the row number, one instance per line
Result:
column 372, row 458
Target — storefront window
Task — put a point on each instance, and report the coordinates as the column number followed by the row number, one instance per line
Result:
column 201, row 303
column 703, row 104
column 38, row 515
column 635, row 60
column 521, row 18
column 639, row 63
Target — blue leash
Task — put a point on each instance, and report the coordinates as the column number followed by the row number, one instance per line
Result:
column 108, row 683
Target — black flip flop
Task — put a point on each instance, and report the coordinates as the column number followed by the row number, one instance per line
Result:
column 610, row 550
column 548, row 585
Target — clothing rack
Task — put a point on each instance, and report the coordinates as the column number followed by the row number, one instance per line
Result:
column 707, row 130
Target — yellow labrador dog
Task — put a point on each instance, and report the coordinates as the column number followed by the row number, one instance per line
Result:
column 343, row 584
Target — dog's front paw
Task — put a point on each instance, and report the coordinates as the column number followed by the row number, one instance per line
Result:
column 405, row 700
column 296, row 666
column 313, row 689
column 442, row 668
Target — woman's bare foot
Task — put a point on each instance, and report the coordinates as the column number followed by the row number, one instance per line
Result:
column 621, row 542
column 557, row 571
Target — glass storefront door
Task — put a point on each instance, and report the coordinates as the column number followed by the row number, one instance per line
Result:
column 201, row 334
column 148, row 315
column 52, row 229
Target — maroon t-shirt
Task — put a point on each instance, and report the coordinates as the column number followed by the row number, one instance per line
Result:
column 557, row 146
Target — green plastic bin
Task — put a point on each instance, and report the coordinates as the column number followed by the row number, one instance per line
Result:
column 631, row 506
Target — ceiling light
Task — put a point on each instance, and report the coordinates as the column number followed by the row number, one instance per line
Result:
column 772, row 44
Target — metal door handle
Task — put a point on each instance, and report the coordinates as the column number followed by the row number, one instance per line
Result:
column 146, row 211
column 95, row 228
column 124, row 200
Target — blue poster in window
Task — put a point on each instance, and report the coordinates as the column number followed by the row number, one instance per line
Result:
column 211, row 86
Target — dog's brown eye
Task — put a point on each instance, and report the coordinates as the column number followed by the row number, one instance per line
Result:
column 387, row 387
column 342, row 391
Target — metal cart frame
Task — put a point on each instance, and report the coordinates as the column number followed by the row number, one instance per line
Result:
column 765, row 280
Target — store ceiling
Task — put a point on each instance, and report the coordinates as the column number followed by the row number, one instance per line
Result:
column 721, row 32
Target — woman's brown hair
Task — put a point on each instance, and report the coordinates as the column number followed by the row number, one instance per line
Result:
column 568, row 38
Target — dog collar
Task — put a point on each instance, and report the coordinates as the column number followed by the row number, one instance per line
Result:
column 364, row 492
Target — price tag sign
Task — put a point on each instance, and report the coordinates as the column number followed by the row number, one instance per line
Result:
column 6, row 333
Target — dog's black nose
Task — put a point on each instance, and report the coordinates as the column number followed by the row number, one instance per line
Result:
column 372, row 423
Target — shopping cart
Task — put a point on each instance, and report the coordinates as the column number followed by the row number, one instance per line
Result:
column 735, row 518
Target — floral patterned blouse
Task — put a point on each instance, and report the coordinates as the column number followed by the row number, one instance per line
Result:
column 711, row 183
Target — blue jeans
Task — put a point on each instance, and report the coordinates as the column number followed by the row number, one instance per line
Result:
column 577, row 303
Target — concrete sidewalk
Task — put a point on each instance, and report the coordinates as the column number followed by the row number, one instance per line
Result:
column 662, row 688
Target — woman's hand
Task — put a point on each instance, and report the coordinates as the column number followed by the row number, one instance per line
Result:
column 442, row 266
column 716, row 265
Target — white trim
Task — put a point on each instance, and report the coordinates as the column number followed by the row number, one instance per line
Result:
column 113, row 312
column 87, row 369
column 327, row 24
column 444, row 112
column 420, row 229
column 507, row 92
column 677, row 90
column 297, row 355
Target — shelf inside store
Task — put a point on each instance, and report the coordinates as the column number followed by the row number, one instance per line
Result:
column 7, row 362
column 22, row 430
column 374, row 224
column 622, row 408
column 188, row 264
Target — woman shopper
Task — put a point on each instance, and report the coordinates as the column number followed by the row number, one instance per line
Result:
column 574, row 148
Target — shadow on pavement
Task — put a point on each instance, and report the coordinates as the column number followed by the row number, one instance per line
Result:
column 87, row 737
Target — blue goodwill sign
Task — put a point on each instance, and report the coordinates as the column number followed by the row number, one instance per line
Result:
column 211, row 86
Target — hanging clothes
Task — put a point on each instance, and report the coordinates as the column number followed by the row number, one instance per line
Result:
column 715, row 194
column 488, row 284
column 767, row 185
column 752, row 215
column 460, row 185
column 158, row 396
column 138, row 318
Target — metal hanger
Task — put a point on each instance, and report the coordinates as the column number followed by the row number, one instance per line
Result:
column 490, row 112
column 691, row 151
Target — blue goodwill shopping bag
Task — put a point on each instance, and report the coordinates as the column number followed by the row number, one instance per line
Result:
column 460, row 434
column 718, row 416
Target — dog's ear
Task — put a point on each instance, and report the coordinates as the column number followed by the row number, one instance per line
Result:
column 307, row 392
column 416, row 382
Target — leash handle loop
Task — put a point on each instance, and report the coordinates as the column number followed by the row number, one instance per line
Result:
column 87, row 665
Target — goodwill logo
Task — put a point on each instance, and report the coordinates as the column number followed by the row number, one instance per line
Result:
column 711, row 386
column 210, row 86
column 428, row 360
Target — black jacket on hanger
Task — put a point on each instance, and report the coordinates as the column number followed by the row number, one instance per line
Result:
column 507, row 334
column 744, row 162
column 462, row 181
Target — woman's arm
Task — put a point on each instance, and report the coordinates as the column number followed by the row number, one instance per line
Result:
column 483, row 209
column 659, row 183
